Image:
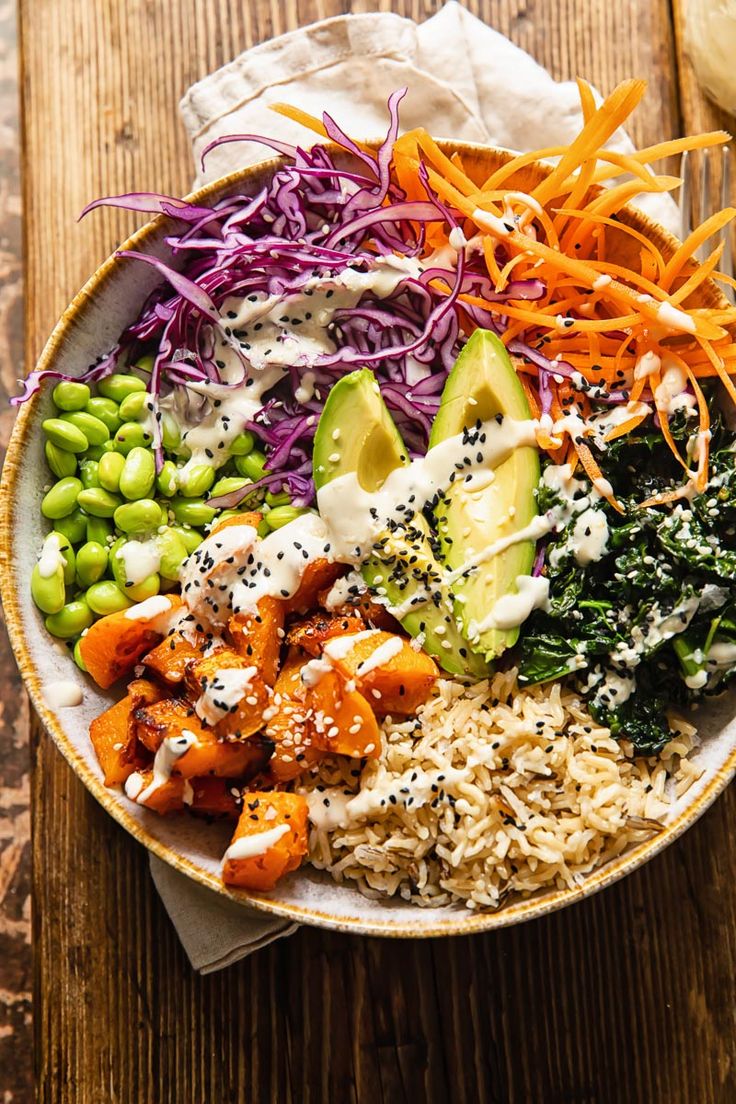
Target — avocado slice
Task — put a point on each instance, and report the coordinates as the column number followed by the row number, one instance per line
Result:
column 370, row 445
column 481, row 385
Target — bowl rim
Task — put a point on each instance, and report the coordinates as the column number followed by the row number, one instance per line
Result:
column 459, row 921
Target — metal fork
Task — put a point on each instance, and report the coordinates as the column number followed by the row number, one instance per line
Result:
column 710, row 201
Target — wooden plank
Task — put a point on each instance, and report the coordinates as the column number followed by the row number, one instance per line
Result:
column 629, row 996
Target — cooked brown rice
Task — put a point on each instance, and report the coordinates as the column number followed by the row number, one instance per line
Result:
column 490, row 791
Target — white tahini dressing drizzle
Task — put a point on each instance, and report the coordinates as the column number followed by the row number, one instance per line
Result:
column 62, row 693
column 250, row 847
column 224, row 691
column 51, row 558
column 171, row 750
column 383, row 654
column 151, row 609
column 140, row 559
column 512, row 610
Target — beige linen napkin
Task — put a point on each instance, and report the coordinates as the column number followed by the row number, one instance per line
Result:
column 465, row 81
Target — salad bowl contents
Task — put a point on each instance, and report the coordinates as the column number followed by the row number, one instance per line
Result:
column 396, row 520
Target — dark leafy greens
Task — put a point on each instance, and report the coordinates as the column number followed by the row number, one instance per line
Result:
column 652, row 624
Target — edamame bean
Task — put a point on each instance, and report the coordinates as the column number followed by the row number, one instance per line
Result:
column 61, row 463
column 98, row 529
column 98, row 502
column 77, row 654
column 138, row 474
column 228, row 484
column 283, row 498
column 191, row 538
column 170, row 433
column 62, row 498
column 64, row 435
column 242, row 444
column 67, row 554
column 91, row 563
column 146, row 589
column 134, row 406
column 110, row 469
column 48, row 591
column 71, row 620
column 95, row 452
column 107, row 597
column 145, row 363
column 73, row 526
column 195, row 481
column 167, row 479
column 262, row 529
column 192, row 511
column 253, row 465
column 93, row 428
column 282, row 515
column 89, row 473
column 173, row 552
column 106, row 410
column 70, row 395
column 138, row 517
column 119, row 385
column 131, row 435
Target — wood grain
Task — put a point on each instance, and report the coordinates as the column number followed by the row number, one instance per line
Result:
column 630, row 996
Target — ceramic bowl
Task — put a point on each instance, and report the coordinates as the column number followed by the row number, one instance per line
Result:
column 109, row 301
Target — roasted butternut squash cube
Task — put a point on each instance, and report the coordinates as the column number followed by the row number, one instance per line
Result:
column 169, row 796
column 215, row 797
column 228, row 693
column 288, row 723
column 114, row 644
column 269, row 841
column 318, row 574
column 170, row 658
column 342, row 722
column 312, row 632
column 258, row 637
column 393, row 676
column 114, row 742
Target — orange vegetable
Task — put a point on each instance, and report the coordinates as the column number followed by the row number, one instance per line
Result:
column 170, row 658
column 311, row 633
column 166, row 798
column 226, row 758
column 114, row 743
column 258, row 637
column 280, row 819
column 253, row 518
column 215, row 797
column 205, row 680
column 342, row 721
column 114, row 644
column 318, row 574
column 288, row 726
column 399, row 683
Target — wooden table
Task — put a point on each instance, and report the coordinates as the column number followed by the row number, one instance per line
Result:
column 628, row 997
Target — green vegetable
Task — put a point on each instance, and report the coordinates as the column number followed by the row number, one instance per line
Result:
column 145, row 363
column 71, row 620
column 170, row 433
column 77, row 654
column 118, row 386
column 69, row 395
column 67, row 553
column 48, row 591
column 283, row 498
column 228, row 484
column 89, row 473
column 192, row 511
column 253, row 465
column 107, row 597
column 105, row 410
column 98, row 502
column 131, row 435
column 97, row 529
column 173, row 552
column 134, row 405
column 138, row 474
column 282, row 515
column 242, row 444
column 61, row 462
column 135, row 518
column 148, row 588
column 195, row 481
column 61, row 500
column 167, row 478
column 73, row 526
column 191, row 538
column 91, row 563
column 110, row 469
column 65, row 435
column 93, row 428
